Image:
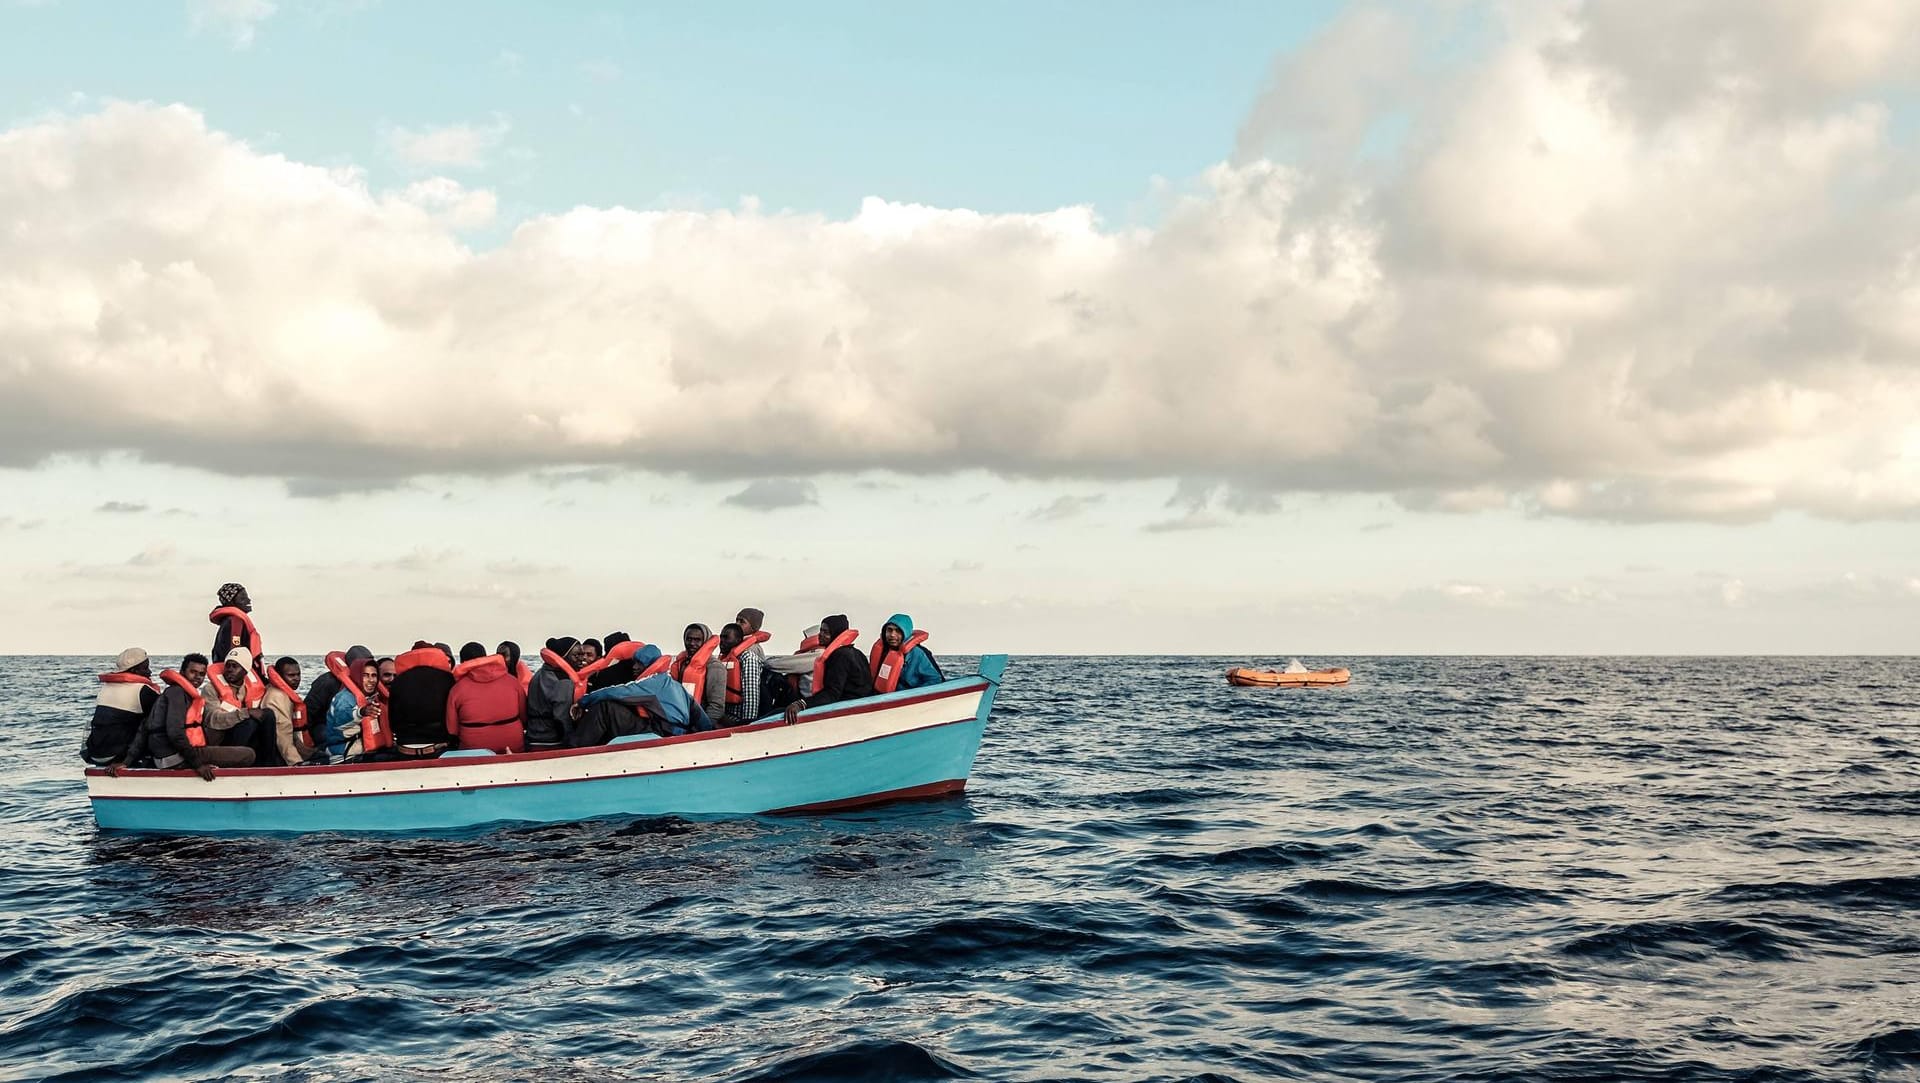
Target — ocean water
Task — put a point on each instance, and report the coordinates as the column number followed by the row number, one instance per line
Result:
column 1452, row 869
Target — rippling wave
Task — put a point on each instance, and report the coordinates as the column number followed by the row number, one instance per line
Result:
column 1478, row 869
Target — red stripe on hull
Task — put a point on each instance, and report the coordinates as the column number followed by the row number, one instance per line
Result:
column 910, row 793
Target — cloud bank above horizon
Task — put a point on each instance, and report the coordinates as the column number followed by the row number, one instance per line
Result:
column 1572, row 271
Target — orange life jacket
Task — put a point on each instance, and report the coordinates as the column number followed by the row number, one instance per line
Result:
column 196, row 706
column 302, row 736
column 127, row 678
column 696, row 684
column 240, row 628
column 473, row 666
column 430, row 657
column 809, row 643
column 254, row 690
column 374, row 734
column 620, row 653
column 732, row 662
column 886, row 664
column 844, row 639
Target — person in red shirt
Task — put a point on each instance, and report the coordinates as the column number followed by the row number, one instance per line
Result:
column 487, row 708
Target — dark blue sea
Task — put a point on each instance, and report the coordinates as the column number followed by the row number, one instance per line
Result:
column 1452, row 869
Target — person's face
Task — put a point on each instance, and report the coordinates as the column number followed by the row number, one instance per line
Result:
column 692, row 638
column 385, row 673
column 892, row 637
column 370, row 681
column 242, row 602
column 144, row 669
column 589, row 653
column 290, row 673
column 235, row 673
column 746, row 625
column 730, row 638
column 194, row 672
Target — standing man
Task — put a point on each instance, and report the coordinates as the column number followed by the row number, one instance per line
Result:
column 233, row 621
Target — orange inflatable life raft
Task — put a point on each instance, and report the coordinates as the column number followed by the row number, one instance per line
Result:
column 1273, row 678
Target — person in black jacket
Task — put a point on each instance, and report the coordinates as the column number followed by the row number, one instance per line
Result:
column 846, row 675
column 417, row 700
column 126, row 695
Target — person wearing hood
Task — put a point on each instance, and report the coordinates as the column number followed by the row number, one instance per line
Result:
column 845, row 674
column 550, row 699
column 509, row 653
column 320, row 693
column 127, row 693
column 917, row 668
column 486, row 708
column 689, row 667
column 341, row 736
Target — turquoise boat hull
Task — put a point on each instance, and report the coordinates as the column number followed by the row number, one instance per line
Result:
column 904, row 745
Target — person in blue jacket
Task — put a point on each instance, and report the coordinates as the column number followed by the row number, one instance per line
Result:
column 670, row 710
column 917, row 669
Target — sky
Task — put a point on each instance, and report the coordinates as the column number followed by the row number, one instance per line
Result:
column 1259, row 330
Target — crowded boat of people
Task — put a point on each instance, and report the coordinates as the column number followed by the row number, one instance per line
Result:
column 231, row 708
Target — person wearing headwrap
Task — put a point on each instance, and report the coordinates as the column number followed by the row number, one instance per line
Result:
column 846, row 676
column 550, row 700
column 229, row 632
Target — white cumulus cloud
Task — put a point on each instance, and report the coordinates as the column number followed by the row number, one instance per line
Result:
column 451, row 146
column 236, row 20
column 1574, row 275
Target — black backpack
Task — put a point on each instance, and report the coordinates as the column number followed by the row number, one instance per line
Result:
column 776, row 691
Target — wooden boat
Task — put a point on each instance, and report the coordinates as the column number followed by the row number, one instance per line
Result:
column 903, row 745
column 1274, row 678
